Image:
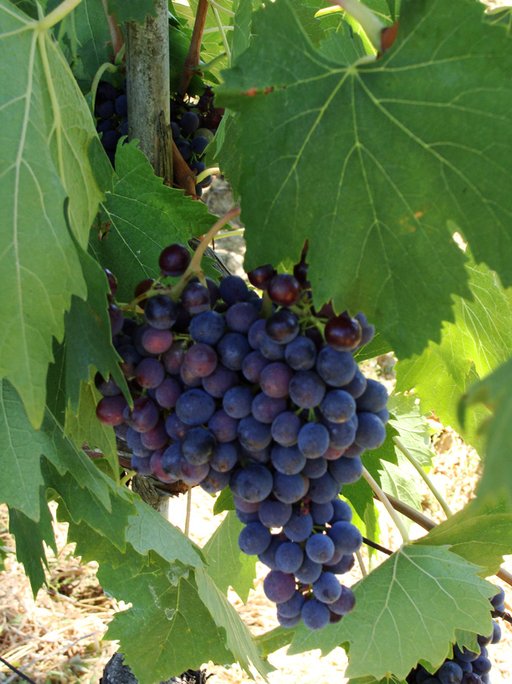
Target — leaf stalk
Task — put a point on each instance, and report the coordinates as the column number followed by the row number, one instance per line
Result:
column 58, row 14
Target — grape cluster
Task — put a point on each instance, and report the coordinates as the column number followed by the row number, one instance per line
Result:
column 465, row 667
column 261, row 394
column 193, row 125
column 111, row 111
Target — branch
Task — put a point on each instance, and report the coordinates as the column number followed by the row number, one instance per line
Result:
column 384, row 499
column 429, row 524
column 194, row 51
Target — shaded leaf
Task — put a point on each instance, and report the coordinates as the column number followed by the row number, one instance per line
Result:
column 393, row 191
column 131, row 11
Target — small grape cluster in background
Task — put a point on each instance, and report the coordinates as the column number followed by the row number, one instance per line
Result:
column 465, row 667
column 193, row 124
column 260, row 393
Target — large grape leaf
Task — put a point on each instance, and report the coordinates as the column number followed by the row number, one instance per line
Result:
column 46, row 131
column 227, row 567
column 238, row 637
column 88, row 35
column 472, row 346
column 30, row 539
column 377, row 163
column 21, row 448
column 408, row 609
column 494, row 392
column 144, row 216
column 478, row 536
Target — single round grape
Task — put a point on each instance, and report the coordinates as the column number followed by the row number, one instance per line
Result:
column 282, row 326
column 174, row 259
column 275, row 379
column 273, row 351
column 306, row 389
column 289, row 557
column 241, row 316
column 195, row 407
column 341, row 511
column 266, row 409
column 261, row 276
column 287, row 460
column 223, row 426
column 110, row 410
column 279, row 586
column 173, row 358
column 315, row 615
column 198, row 445
column 192, row 475
column 253, row 435
column 449, row 673
column 346, row 470
column 143, row 416
column 285, row 428
column 207, row 327
column 215, row 481
column 149, row 373
column 292, row 607
column 284, row 289
column 167, row 393
column 338, row 406
column 322, row 513
column 225, row 457
column 156, row 341
column 142, row 466
column 289, row 488
column 108, row 388
column 371, row 432
column 200, row 359
column 175, row 428
column 300, row 353
column 342, row 435
column 327, row 588
column 220, row 381
column 498, row 600
column 345, row 564
column 323, row 489
column 252, row 483
column 313, row 440
column 189, row 122
column 343, row 332
column 320, row 548
column 357, row 385
column 481, row 665
column 233, row 289
column 156, row 438
column 254, row 539
column 160, row 312
column 237, row 401
column 374, row 397
column 268, row 556
column 299, row 526
column 314, row 467
column 116, row 319
column 345, row 603
column 336, row 368
column 309, row 571
column 346, row 537
column 232, row 349
column 274, row 513
column 195, row 298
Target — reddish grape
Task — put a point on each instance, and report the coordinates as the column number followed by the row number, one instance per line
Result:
column 283, row 326
column 261, row 276
column 110, row 410
column 284, row 289
column 174, row 260
column 143, row 287
column 343, row 332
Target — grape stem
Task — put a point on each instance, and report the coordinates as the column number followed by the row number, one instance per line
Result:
column 194, row 51
column 58, row 14
column 435, row 491
column 378, row 547
column 383, row 498
column 188, row 514
column 220, row 26
column 423, row 521
column 194, row 268
column 106, row 66
column 362, row 566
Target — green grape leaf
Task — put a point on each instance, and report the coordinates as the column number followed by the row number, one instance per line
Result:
column 88, row 335
column 224, row 502
column 238, row 638
column 144, row 216
column 408, row 609
column 402, row 481
column 179, row 632
column 472, row 346
column 93, row 39
column 46, row 132
column 21, row 448
column 149, row 531
column 131, row 11
column 363, row 171
column 482, row 538
column 226, row 565
column 30, row 539
column 494, row 392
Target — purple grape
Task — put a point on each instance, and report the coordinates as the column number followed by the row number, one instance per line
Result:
column 275, row 379
column 336, row 368
column 167, row 393
column 306, row 389
column 220, row 381
column 253, row 435
column 195, row 298
column 237, row 401
column 201, row 360
column 266, row 409
column 314, row 467
column 289, row 557
column 160, row 312
column 345, row 603
column 254, row 539
column 225, row 457
column 282, row 327
column 323, row 489
column 175, row 428
column 309, row 571
column 313, row 440
column 174, row 260
column 274, row 513
column 241, row 316
column 346, row 470
column 156, row 438
column 144, row 415
column 195, row 407
column 320, row 548
column 346, row 537
column 292, row 607
column 287, row 460
column 198, row 445
column 233, row 348
column 285, row 428
column 233, row 289
column 290, row 488
column 149, row 373
column 315, row 615
column 300, row 353
column 252, row 366
column 327, row 588
column 374, row 398
column 111, row 410
column 338, row 406
column 173, row 359
column 207, row 327
column 156, row 341
column 371, row 432
column 253, row 483
column 299, row 526
column 279, row 586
